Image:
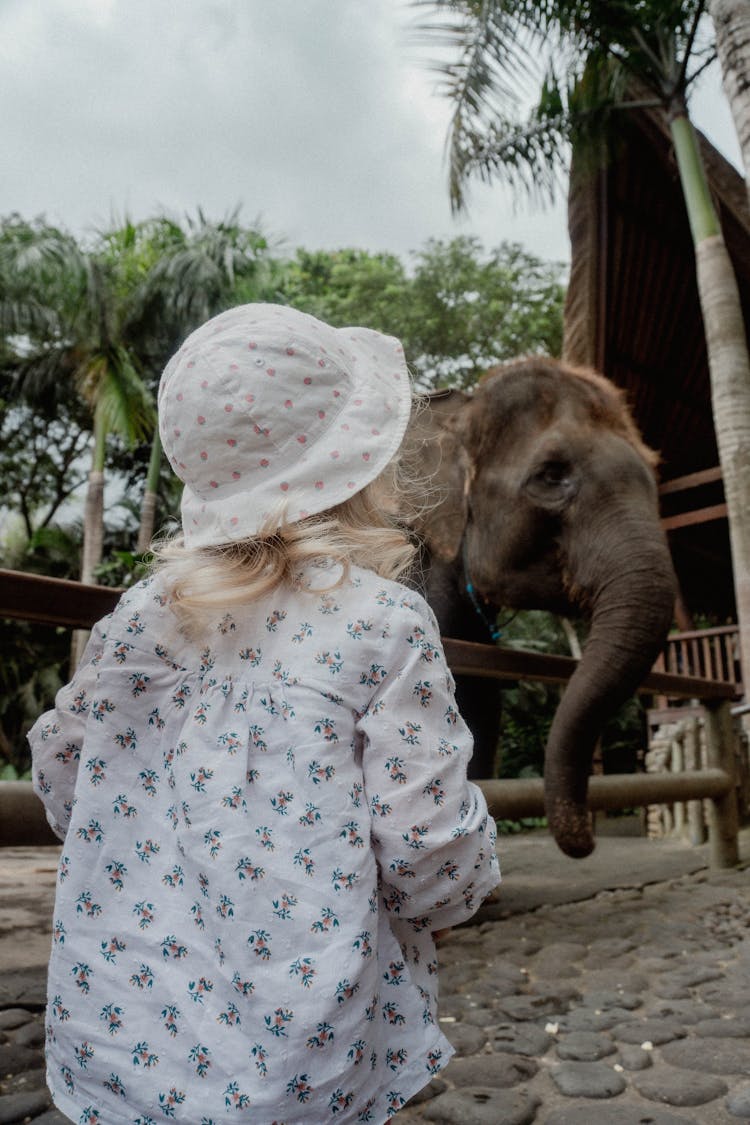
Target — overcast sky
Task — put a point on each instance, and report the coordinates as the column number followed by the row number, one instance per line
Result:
column 318, row 116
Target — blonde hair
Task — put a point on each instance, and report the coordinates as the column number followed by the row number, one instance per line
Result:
column 369, row 529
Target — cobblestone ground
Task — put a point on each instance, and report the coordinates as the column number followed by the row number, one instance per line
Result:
column 630, row 1007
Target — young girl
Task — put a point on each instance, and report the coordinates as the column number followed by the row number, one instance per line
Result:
column 258, row 771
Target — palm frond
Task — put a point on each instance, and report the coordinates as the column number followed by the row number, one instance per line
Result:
column 41, row 277
column 24, row 314
column 531, row 156
column 111, row 384
column 483, row 39
column 30, row 248
column 497, row 47
column 43, row 378
column 195, row 275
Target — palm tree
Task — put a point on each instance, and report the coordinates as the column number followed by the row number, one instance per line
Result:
column 135, row 254
column 601, row 58
column 76, row 336
column 31, row 256
column 731, row 19
column 107, row 375
column 42, row 436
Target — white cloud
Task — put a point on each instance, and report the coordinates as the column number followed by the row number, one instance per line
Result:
column 318, row 115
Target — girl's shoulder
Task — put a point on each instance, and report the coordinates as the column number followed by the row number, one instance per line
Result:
column 142, row 619
column 391, row 595
column 147, row 599
column 358, row 599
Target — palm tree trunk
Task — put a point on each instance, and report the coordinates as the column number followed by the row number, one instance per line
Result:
column 93, row 527
column 732, row 26
column 93, row 520
column 146, row 526
column 728, row 361
column 730, row 398
column 148, row 504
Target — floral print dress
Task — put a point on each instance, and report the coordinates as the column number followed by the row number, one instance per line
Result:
column 261, row 833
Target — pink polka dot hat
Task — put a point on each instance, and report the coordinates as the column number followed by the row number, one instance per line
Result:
column 264, row 404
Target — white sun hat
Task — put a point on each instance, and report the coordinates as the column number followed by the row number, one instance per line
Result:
column 265, row 404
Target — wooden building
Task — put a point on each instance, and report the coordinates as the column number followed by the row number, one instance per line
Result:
column 633, row 313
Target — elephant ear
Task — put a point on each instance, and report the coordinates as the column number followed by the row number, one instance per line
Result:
column 444, row 471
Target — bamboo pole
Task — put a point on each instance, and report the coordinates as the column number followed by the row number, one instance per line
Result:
column 723, row 815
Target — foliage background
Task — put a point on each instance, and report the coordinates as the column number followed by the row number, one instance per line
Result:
column 126, row 296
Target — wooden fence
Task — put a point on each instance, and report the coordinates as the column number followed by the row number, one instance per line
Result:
column 57, row 602
column 710, row 654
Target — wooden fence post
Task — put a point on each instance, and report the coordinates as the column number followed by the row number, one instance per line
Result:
column 696, row 824
column 723, row 824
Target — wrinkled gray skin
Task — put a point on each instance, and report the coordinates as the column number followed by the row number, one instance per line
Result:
column 542, row 480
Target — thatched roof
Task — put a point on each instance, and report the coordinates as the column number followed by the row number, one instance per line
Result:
column 633, row 313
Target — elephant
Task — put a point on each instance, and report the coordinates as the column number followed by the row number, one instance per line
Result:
column 542, row 495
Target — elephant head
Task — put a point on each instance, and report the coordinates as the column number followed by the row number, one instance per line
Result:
column 545, row 497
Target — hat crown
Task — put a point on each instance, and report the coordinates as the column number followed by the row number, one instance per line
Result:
column 245, row 391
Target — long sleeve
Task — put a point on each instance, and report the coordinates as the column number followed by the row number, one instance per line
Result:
column 57, row 737
column 433, row 838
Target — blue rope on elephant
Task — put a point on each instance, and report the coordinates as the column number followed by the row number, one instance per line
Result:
column 494, row 630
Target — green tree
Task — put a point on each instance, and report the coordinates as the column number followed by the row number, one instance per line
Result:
column 31, row 256
column 346, row 287
column 202, row 267
column 603, row 58
column 457, row 310
column 470, row 309
column 81, row 344
column 41, row 460
column 139, row 287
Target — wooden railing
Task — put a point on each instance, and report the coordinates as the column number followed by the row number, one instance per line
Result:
column 30, row 597
column 710, row 654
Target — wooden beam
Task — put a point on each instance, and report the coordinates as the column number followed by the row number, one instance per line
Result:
column 514, row 798
column 692, row 480
column 697, row 634
column 23, row 823
column 701, row 515
column 471, row 659
column 54, row 601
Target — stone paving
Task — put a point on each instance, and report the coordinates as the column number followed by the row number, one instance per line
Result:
column 629, row 1003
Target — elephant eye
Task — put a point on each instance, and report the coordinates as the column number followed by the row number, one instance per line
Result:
column 552, row 484
column 554, row 473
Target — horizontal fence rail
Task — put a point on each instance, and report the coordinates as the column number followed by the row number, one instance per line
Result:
column 59, row 602
column 54, row 601
column 467, row 658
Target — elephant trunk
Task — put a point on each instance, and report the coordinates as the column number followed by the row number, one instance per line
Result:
column 625, row 575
